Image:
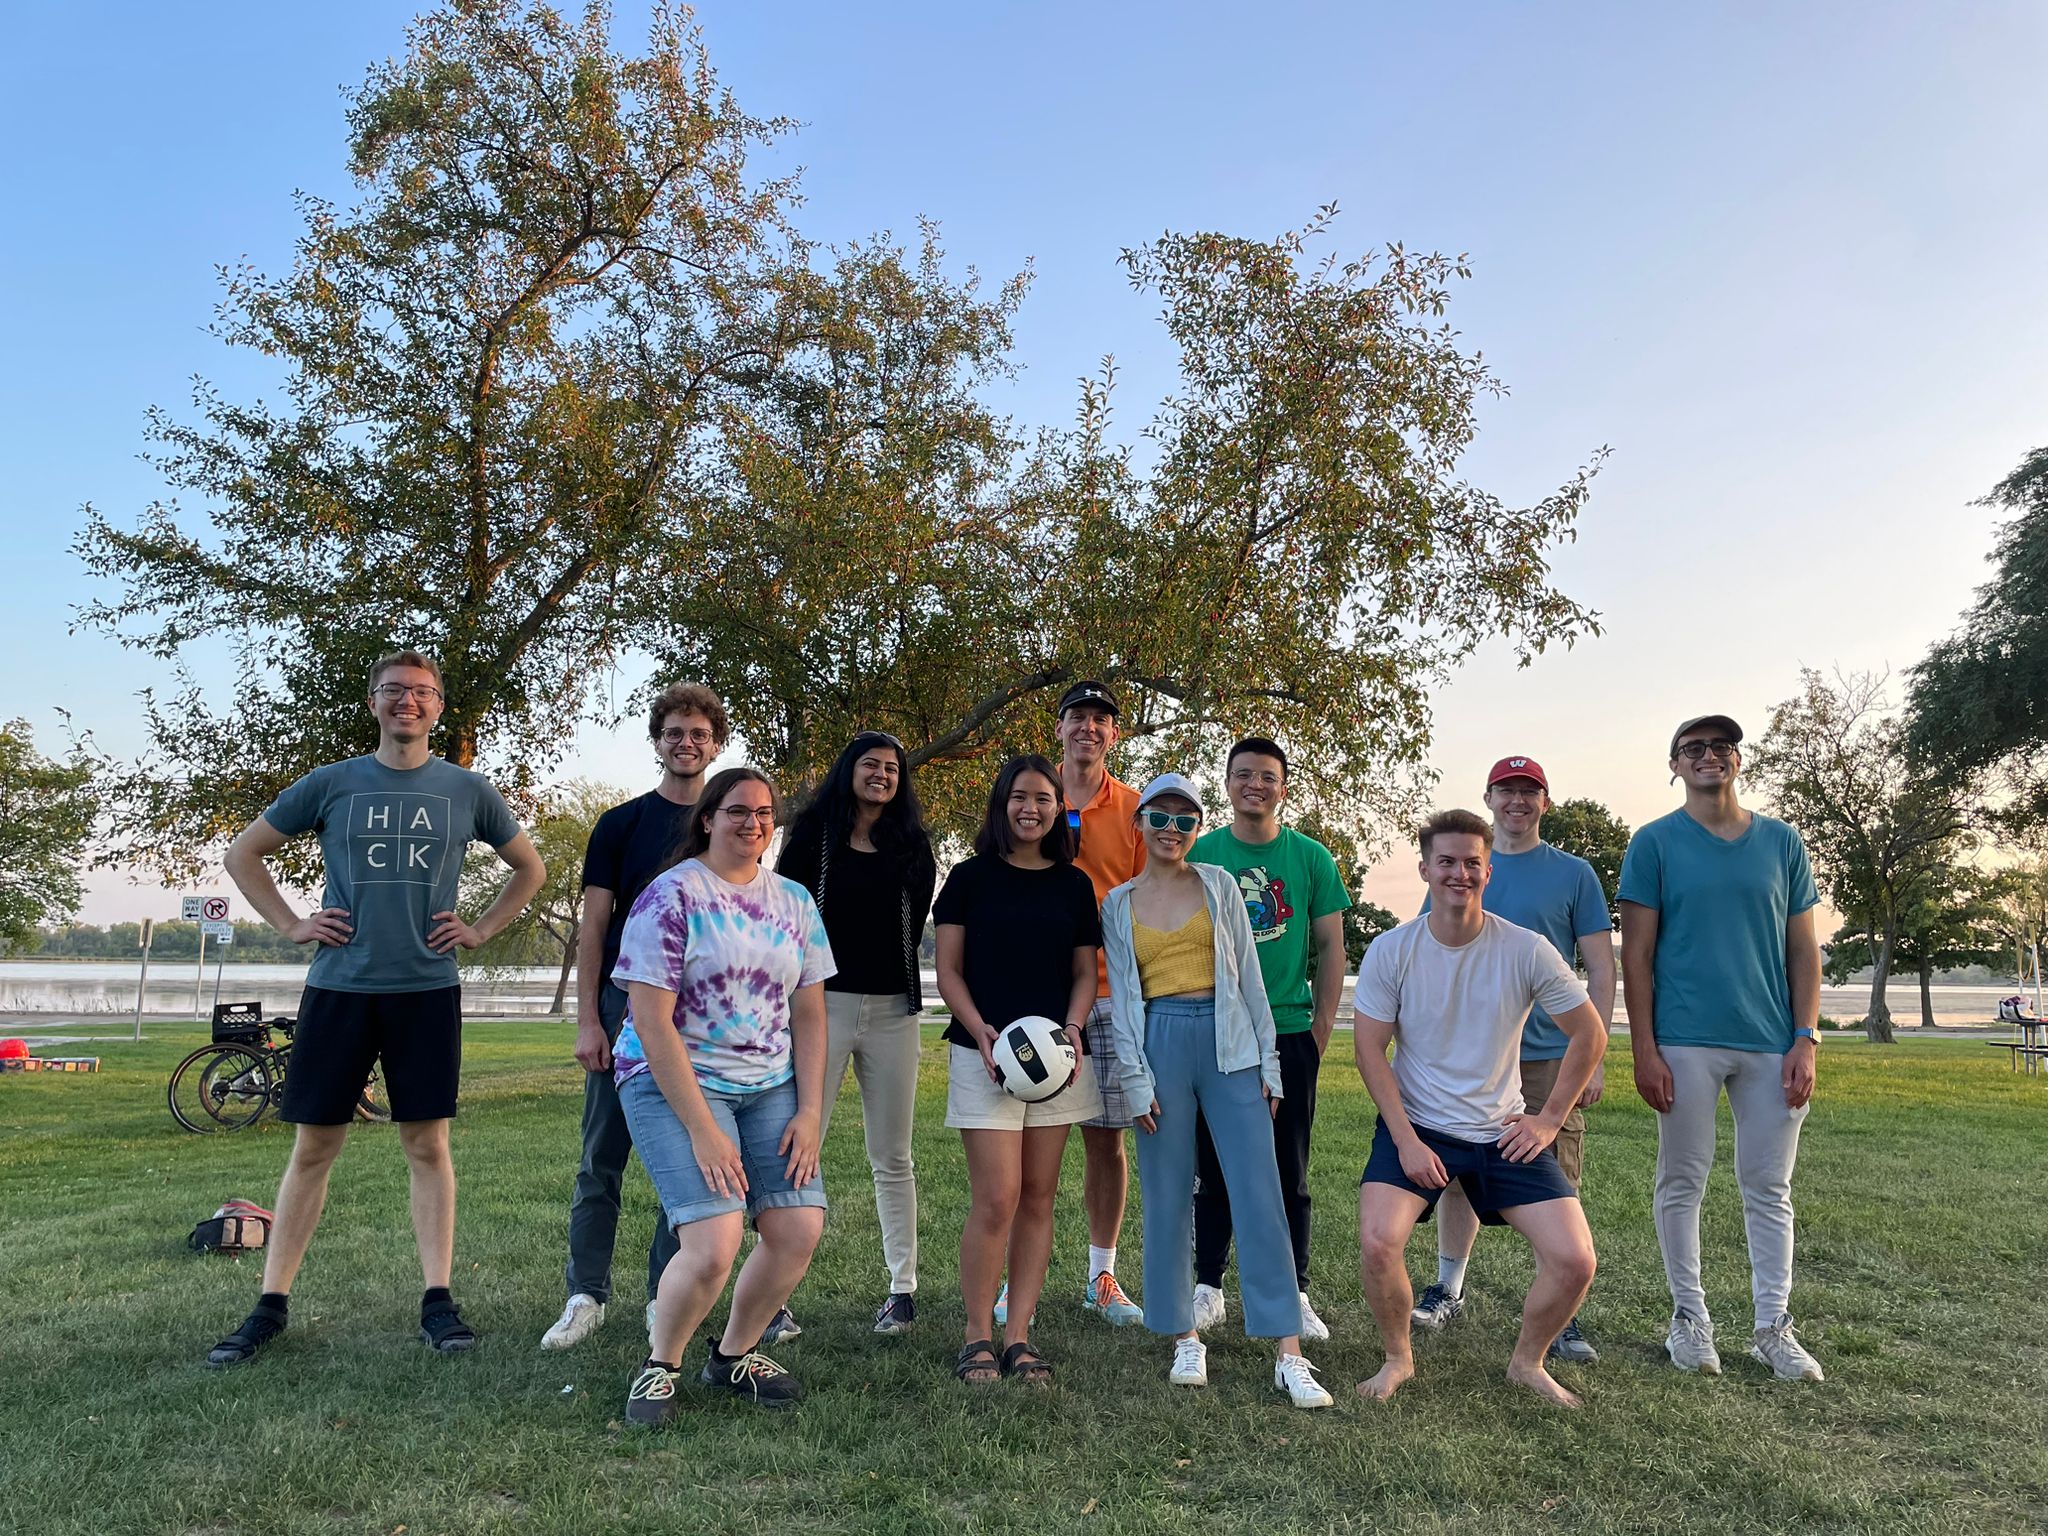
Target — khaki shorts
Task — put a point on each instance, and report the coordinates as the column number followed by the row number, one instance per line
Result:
column 973, row 1103
column 1538, row 1078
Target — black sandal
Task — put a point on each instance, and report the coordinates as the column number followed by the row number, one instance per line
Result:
column 1033, row 1369
column 258, row 1329
column 976, row 1357
column 441, row 1325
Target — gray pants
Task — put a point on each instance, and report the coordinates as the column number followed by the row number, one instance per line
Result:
column 878, row 1036
column 1766, row 1146
column 594, row 1209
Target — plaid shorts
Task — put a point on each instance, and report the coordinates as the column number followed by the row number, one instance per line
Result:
column 1116, row 1109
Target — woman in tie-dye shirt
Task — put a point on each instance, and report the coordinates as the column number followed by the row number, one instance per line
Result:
column 721, row 1068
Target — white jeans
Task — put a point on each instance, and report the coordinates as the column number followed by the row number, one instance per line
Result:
column 880, row 1038
column 1766, row 1146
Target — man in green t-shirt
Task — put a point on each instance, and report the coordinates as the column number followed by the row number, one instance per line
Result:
column 1296, row 900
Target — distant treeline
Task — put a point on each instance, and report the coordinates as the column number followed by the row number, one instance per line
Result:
column 123, row 941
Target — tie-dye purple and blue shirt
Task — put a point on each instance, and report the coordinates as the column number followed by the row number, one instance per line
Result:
column 733, row 955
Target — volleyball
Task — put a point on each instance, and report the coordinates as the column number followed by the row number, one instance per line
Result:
column 1034, row 1058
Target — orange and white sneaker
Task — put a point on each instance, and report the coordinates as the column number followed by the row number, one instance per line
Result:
column 1106, row 1299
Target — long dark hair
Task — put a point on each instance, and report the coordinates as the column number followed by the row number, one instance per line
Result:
column 697, row 837
column 898, row 832
column 994, row 837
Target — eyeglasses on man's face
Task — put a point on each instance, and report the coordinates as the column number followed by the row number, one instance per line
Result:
column 737, row 816
column 696, row 738
column 391, row 693
column 1693, row 751
column 1261, row 776
column 1180, row 821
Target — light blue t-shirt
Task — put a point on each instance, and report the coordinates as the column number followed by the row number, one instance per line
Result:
column 1558, row 895
column 1721, row 911
column 392, row 840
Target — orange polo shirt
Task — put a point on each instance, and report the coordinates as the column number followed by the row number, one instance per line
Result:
column 1111, row 850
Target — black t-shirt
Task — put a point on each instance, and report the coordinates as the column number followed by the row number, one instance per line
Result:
column 629, row 846
column 1022, row 928
column 864, row 920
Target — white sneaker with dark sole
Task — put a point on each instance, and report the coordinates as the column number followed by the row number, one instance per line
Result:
column 579, row 1320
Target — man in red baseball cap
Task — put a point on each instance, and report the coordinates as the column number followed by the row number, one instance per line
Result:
column 1558, row 895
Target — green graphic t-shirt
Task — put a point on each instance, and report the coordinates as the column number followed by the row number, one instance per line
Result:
column 1286, row 884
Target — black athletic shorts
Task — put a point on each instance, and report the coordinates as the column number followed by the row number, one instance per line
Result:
column 1492, row 1183
column 417, row 1036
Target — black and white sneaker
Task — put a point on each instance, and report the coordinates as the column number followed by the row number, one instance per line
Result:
column 651, row 1401
column 781, row 1326
column 1437, row 1309
column 1571, row 1346
column 443, row 1330
column 754, row 1377
column 897, row 1314
column 239, row 1347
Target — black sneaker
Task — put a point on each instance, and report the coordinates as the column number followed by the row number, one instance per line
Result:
column 441, row 1325
column 781, row 1326
column 239, row 1347
column 651, row 1401
column 897, row 1313
column 1437, row 1308
column 753, row 1376
column 1571, row 1346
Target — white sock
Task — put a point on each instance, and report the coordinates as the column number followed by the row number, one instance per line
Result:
column 1101, row 1260
column 1450, row 1274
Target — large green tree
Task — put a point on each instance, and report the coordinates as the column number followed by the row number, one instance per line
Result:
column 1978, row 701
column 1884, row 836
column 1587, row 828
column 1955, row 919
column 47, row 808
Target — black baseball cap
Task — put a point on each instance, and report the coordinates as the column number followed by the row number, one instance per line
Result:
column 1088, row 691
column 1726, row 721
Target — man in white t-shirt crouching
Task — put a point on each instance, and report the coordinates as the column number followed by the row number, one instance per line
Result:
column 1454, row 987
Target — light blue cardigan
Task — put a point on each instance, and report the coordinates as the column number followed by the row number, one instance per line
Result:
column 1244, row 1019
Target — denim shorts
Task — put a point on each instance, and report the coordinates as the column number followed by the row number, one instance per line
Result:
column 754, row 1121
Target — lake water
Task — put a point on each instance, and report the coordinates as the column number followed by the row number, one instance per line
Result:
column 107, row 988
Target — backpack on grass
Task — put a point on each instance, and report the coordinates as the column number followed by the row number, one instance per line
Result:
column 237, row 1227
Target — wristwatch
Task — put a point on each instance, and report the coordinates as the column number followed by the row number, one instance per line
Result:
column 1803, row 1033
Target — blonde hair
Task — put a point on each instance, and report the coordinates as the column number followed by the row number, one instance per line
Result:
column 418, row 659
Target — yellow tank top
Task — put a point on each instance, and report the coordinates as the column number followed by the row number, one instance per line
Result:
column 1176, row 963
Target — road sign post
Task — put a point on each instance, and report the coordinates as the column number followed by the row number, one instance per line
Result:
column 222, row 933
column 142, row 986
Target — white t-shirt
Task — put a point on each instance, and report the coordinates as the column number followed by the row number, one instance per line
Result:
column 1458, row 1015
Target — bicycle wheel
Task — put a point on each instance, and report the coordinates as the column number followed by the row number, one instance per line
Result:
column 220, row 1088
column 371, row 1105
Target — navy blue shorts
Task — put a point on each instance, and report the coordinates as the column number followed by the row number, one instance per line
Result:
column 1492, row 1183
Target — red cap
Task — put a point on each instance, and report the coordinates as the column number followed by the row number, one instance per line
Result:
column 1518, row 768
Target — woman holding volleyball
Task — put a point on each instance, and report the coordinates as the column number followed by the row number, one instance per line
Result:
column 1193, row 1028
column 1017, row 935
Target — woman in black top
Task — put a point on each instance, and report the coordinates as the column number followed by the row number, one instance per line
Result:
column 862, row 850
column 1018, row 932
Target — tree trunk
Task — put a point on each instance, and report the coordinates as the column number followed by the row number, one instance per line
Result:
column 568, row 963
column 1877, row 1024
column 1926, row 995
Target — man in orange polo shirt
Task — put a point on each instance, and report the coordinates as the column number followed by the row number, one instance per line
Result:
column 1103, row 810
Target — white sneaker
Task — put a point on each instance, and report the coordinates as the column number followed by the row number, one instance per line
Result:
column 1293, row 1375
column 1312, row 1327
column 1208, row 1306
column 1190, row 1364
column 1690, row 1343
column 579, row 1320
column 1779, row 1348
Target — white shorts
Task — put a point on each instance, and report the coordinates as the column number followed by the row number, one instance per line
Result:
column 973, row 1103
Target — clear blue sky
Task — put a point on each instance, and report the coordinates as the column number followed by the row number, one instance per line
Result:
column 1786, row 261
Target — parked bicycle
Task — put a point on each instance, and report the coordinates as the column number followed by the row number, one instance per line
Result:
column 230, row 1084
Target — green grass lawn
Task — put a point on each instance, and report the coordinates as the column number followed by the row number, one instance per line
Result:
column 1923, row 1246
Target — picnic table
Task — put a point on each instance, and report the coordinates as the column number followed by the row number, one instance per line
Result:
column 2030, row 1050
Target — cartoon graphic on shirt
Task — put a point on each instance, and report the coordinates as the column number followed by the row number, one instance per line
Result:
column 1265, row 901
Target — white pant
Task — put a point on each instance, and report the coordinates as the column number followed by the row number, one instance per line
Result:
column 879, row 1036
column 1766, row 1146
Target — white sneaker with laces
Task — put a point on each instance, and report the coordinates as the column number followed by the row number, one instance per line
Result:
column 1312, row 1327
column 1208, row 1306
column 579, row 1320
column 1779, row 1348
column 1190, row 1364
column 1293, row 1375
column 1690, row 1343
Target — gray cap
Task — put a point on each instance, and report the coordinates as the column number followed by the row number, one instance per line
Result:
column 1734, row 730
column 1168, row 784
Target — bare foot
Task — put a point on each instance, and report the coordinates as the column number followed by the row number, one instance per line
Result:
column 1388, row 1380
column 1539, row 1381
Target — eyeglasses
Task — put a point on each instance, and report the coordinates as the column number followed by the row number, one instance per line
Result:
column 1180, row 821
column 697, row 738
column 391, row 693
column 1693, row 751
column 739, row 815
column 1246, row 776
